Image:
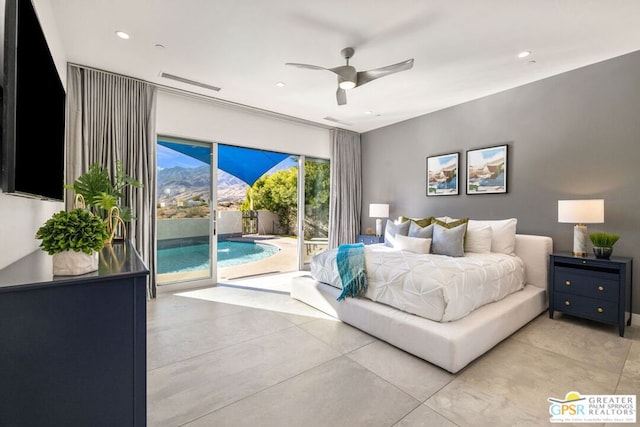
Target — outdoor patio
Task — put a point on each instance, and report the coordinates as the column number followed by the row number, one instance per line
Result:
column 283, row 261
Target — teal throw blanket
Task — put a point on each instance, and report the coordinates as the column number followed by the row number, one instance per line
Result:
column 350, row 260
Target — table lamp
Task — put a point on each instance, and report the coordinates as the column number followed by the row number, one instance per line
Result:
column 581, row 212
column 378, row 211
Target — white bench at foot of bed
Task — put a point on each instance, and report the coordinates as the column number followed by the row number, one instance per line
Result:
column 450, row 345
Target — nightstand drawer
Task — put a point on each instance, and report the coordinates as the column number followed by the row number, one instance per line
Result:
column 369, row 239
column 604, row 311
column 591, row 284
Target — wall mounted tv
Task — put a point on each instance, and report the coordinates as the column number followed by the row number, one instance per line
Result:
column 33, row 108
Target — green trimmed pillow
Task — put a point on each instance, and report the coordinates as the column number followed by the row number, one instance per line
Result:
column 422, row 222
column 454, row 223
column 421, row 232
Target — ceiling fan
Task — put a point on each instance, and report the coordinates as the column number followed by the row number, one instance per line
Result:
column 349, row 78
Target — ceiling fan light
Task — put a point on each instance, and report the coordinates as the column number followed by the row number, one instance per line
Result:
column 346, row 84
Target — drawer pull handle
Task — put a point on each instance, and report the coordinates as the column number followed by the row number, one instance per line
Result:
column 567, row 302
column 600, row 310
column 567, row 282
column 600, row 288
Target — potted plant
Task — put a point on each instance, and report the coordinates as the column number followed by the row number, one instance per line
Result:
column 103, row 196
column 73, row 238
column 603, row 243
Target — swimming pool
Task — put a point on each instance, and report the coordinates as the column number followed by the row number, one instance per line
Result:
column 192, row 257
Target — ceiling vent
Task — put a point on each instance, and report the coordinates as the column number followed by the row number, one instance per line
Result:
column 334, row 120
column 189, row 82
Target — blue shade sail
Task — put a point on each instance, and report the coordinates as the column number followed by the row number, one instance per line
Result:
column 247, row 164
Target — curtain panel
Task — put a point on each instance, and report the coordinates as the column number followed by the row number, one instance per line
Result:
column 110, row 119
column 346, row 188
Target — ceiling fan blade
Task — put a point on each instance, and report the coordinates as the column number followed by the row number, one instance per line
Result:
column 367, row 76
column 341, row 96
column 307, row 66
column 347, row 72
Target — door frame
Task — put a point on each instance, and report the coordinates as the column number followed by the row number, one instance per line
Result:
column 213, row 235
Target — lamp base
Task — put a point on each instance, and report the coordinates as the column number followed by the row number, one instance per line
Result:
column 580, row 238
column 378, row 227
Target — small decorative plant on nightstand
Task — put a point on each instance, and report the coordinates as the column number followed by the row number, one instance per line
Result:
column 603, row 243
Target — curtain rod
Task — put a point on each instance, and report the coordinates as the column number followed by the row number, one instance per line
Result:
column 213, row 99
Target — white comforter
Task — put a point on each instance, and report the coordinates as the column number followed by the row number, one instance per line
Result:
column 436, row 287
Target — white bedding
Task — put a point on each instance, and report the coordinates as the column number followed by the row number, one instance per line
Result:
column 435, row 287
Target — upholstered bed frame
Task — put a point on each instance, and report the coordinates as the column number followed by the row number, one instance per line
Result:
column 450, row 345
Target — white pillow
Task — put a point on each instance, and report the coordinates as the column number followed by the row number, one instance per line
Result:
column 412, row 244
column 503, row 234
column 478, row 240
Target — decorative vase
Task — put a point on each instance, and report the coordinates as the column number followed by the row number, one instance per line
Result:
column 71, row 263
column 602, row 253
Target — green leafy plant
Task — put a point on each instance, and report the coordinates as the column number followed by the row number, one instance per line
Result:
column 602, row 239
column 101, row 193
column 77, row 230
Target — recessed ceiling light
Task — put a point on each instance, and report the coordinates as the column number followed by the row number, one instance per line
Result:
column 368, row 113
column 159, row 46
column 532, row 62
column 281, row 84
column 524, row 54
column 122, row 35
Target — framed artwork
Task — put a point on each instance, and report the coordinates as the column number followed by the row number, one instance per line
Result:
column 487, row 170
column 442, row 175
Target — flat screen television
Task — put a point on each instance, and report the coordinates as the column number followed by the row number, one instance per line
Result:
column 33, row 108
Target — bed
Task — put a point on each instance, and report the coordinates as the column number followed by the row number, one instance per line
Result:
column 456, row 335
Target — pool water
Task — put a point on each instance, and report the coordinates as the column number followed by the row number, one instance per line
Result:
column 196, row 256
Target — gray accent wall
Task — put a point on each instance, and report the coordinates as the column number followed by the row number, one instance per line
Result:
column 571, row 136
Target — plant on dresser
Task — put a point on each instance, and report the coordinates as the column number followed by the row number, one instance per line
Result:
column 74, row 239
column 103, row 195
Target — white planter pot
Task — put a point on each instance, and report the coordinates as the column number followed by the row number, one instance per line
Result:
column 71, row 263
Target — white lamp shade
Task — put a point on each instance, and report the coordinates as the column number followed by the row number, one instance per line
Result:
column 581, row 211
column 379, row 210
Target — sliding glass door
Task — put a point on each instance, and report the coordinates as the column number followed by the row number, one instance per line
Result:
column 314, row 201
column 186, row 221
column 226, row 212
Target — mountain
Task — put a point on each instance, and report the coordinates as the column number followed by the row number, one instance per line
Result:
column 183, row 184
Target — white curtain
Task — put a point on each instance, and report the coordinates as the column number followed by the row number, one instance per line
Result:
column 111, row 118
column 346, row 187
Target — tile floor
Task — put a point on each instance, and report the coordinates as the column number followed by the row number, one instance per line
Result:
column 246, row 354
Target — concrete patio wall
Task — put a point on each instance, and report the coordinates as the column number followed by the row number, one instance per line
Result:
column 229, row 224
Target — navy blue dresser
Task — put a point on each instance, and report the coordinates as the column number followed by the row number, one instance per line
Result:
column 73, row 349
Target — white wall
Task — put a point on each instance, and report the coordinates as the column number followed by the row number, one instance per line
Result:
column 185, row 116
column 20, row 217
column 51, row 33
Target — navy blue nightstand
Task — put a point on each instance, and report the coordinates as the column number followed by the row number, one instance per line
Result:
column 596, row 289
column 368, row 239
